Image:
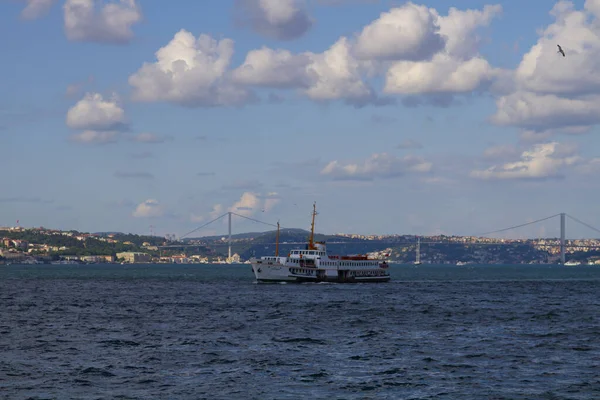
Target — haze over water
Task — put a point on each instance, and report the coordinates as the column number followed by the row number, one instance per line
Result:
column 208, row 331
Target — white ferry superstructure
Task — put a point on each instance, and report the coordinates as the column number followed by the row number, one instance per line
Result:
column 313, row 264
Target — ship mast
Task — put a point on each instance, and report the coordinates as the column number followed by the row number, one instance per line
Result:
column 311, row 242
column 277, row 241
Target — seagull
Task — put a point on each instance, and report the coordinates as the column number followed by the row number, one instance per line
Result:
column 560, row 50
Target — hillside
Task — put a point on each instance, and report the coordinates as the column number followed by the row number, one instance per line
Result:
column 401, row 248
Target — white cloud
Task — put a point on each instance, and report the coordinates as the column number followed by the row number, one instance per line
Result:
column 542, row 112
column 409, row 32
column 552, row 91
column 421, row 51
column 112, row 23
column 247, row 205
column 277, row 19
column 190, row 72
column 36, row 8
column 93, row 112
column 332, row 75
column 380, row 165
column 459, row 27
column 546, row 160
column 148, row 209
column 437, row 55
column 337, row 75
column 95, row 137
column 457, row 68
column 273, row 68
column 443, row 74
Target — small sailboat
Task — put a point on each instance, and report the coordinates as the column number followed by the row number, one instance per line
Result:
column 418, row 259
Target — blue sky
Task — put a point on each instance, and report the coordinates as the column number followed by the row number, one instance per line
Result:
column 411, row 118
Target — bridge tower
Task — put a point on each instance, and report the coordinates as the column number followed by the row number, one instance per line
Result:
column 562, row 238
column 229, row 243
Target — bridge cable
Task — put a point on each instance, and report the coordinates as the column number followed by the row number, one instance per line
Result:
column 255, row 220
column 208, row 223
column 517, row 226
column 583, row 223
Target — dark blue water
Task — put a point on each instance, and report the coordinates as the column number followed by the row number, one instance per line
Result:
column 209, row 332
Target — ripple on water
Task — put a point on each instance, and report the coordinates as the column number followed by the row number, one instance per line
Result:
column 89, row 334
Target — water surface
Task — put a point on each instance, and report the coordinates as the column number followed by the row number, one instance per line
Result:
column 208, row 331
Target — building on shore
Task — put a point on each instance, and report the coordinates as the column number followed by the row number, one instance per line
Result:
column 134, row 257
column 98, row 259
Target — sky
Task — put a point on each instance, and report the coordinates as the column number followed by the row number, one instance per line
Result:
column 395, row 118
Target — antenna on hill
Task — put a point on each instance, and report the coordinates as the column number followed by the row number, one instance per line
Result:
column 151, row 230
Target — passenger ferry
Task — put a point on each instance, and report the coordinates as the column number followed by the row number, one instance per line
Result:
column 313, row 264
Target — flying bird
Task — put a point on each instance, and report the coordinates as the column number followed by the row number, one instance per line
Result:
column 560, row 50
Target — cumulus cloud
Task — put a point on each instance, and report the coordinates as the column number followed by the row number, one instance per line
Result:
column 247, row 205
column 417, row 51
column 149, row 209
column 455, row 68
column 543, row 161
column 276, row 19
column 409, row 32
column 273, row 68
column 551, row 91
column 93, row 112
column 459, row 28
column 332, row 75
column 36, row 8
column 444, row 74
column 380, row 165
column 111, row 23
column 337, row 75
column 190, row 72
column 100, row 120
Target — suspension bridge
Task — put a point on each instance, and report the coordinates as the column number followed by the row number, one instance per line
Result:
column 470, row 240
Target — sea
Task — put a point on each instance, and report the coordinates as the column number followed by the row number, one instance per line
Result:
column 211, row 332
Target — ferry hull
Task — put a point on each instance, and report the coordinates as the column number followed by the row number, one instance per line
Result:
column 265, row 273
